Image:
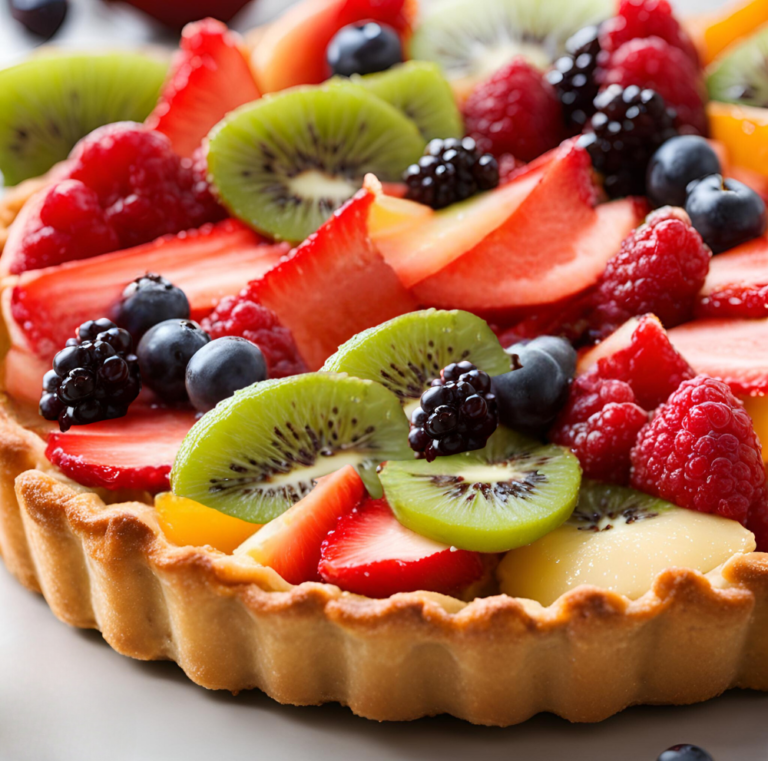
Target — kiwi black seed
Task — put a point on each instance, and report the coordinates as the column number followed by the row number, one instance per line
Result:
column 605, row 507
column 49, row 102
column 260, row 451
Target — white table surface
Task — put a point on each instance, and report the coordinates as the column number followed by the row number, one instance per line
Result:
column 66, row 696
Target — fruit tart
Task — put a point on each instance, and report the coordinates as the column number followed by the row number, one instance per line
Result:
column 408, row 360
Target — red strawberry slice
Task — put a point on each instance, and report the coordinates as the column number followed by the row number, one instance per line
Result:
column 334, row 285
column 737, row 283
column 210, row 77
column 133, row 452
column 292, row 52
column 735, row 351
column 24, row 373
column 554, row 245
column 207, row 264
column 291, row 543
column 370, row 553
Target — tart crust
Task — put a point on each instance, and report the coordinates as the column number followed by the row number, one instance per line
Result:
column 234, row 625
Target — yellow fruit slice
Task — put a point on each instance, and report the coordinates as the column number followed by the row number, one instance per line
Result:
column 757, row 409
column 715, row 32
column 188, row 523
column 744, row 132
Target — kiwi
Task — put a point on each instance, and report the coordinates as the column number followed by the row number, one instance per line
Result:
column 741, row 76
column 620, row 539
column 285, row 163
column 407, row 353
column 48, row 103
column 422, row 93
column 260, row 451
column 506, row 495
column 472, row 39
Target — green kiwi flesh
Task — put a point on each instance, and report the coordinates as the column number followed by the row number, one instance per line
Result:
column 408, row 352
column 49, row 102
column 422, row 93
column 285, row 163
column 602, row 507
column 742, row 75
column 260, row 451
column 507, row 495
column 473, row 39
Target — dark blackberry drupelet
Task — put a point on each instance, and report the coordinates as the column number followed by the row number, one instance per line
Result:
column 450, row 171
column 95, row 377
column 573, row 77
column 629, row 124
column 457, row 414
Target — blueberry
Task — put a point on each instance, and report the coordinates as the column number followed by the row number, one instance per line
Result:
column 148, row 301
column 685, row 753
column 678, row 162
column 364, row 49
column 222, row 367
column 558, row 348
column 164, row 353
column 726, row 213
column 41, row 17
column 530, row 397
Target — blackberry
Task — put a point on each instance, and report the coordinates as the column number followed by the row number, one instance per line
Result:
column 457, row 414
column 94, row 377
column 450, row 171
column 573, row 77
column 621, row 137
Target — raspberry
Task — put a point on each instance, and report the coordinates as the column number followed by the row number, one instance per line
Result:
column 748, row 301
column 654, row 64
column 516, row 111
column 145, row 189
column 243, row 316
column 600, row 424
column 700, row 451
column 660, row 268
column 645, row 18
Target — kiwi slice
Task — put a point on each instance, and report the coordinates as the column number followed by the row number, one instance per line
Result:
column 48, row 103
column 260, row 451
column 285, row 163
column 742, row 75
column 506, row 495
column 472, row 39
column 422, row 93
column 407, row 353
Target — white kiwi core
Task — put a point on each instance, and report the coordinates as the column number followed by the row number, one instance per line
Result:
column 315, row 184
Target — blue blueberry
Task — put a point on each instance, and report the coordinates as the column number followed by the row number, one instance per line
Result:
column 558, row 348
column 676, row 164
column 148, row 301
column 164, row 353
column 685, row 753
column 41, row 17
column 222, row 367
column 364, row 49
column 726, row 213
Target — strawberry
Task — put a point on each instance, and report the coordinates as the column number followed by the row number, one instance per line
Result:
column 133, row 452
column 209, row 77
column 207, row 264
column 732, row 350
column 370, row 553
column 334, row 285
column 291, row 543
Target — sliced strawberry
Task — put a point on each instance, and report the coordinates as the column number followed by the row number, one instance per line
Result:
column 293, row 51
column 737, row 283
column 370, row 553
column 334, row 285
column 735, row 351
column 24, row 373
column 554, row 245
column 209, row 77
column 640, row 354
column 133, row 452
column 291, row 543
column 207, row 264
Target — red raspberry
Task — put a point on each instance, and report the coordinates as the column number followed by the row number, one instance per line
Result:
column 145, row 189
column 645, row 18
column 700, row 451
column 243, row 316
column 516, row 111
column 747, row 301
column 660, row 268
column 600, row 423
column 655, row 64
